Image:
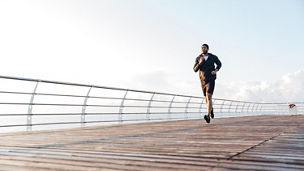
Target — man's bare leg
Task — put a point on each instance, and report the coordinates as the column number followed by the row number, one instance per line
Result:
column 209, row 103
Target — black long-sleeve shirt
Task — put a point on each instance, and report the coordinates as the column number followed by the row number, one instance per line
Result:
column 207, row 67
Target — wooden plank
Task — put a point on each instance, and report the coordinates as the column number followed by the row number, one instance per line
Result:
column 255, row 142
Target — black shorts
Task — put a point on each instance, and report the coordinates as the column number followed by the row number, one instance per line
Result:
column 208, row 87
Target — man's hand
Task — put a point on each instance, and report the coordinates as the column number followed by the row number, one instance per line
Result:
column 214, row 72
column 201, row 60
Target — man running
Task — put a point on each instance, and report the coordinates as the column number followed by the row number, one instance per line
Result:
column 207, row 73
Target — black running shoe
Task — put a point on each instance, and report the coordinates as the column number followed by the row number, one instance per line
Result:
column 207, row 118
column 212, row 114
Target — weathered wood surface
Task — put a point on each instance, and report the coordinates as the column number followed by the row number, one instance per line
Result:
column 254, row 143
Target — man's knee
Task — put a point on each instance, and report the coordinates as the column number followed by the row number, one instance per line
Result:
column 209, row 97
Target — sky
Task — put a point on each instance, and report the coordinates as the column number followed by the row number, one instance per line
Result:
column 152, row 44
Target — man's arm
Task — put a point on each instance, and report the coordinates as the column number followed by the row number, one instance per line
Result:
column 218, row 65
column 197, row 63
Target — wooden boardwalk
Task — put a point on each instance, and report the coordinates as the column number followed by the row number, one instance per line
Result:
column 254, row 143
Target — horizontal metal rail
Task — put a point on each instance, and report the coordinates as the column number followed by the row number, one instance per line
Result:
column 114, row 88
column 92, row 97
column 128, row 106
column 76, row 114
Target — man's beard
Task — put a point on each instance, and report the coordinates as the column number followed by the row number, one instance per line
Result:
column 205, row 52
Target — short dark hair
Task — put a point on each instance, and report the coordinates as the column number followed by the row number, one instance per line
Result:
column 206, row 46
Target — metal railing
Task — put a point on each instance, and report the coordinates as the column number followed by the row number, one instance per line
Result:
column 32, row 103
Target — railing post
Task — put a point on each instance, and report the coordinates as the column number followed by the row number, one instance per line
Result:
column 248, row 107
column 84, row 107
column 261, row 107
column 243, row 107
column 30, row 109
column 170, row 106
column 252, row 107
column 230, row 107
column 256, row 109
column 149, row 107
column 236, row 107
column 222, row 106
column 122, row 107
column 186, row 109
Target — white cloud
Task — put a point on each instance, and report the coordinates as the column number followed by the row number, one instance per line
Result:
column 292, row 86
column 288, row 89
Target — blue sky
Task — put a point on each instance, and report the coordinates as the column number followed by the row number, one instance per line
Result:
column 152, row 44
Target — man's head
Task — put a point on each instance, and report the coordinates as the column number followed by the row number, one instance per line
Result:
column 205, row 48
